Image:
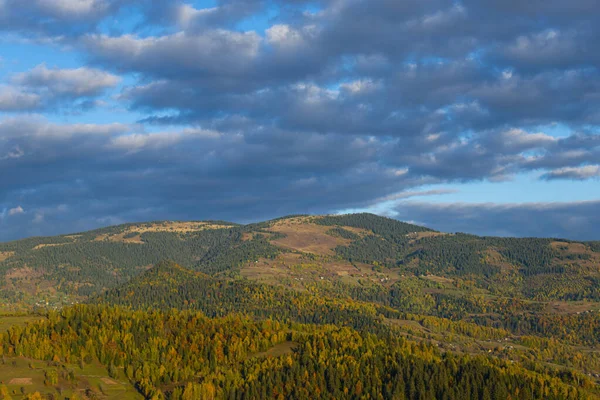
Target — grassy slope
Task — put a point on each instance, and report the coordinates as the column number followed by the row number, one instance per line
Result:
column 19, row 372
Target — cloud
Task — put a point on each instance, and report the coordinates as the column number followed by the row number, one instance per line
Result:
column 55, row 17
column 43, row 88
column 16, row 211
column 575, row 220
column 120, row 172
column 249, row 109
column 13, row 99
column 575, row 173
column 216, row 52
column 235, row 170
column 77, row 82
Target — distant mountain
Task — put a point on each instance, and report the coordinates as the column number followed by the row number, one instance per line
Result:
column 297, row 252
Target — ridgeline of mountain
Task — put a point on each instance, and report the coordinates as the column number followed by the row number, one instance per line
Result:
column 362, row 251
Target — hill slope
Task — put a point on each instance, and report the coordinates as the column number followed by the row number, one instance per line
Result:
column 532, row 335
column 298, row 252
column 345, row 298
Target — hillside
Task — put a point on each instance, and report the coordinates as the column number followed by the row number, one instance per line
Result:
column 276, row 300
column 360, row 250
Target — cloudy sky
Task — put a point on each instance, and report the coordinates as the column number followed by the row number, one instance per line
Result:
column 476, row 116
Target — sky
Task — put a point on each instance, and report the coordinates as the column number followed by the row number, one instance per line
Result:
column 471, row 116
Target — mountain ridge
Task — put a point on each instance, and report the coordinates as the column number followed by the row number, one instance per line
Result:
column 298, row 251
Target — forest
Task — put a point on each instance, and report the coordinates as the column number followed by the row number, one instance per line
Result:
column 186, row 355
column 302, row 307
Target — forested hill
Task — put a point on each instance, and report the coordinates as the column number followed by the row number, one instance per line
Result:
column 307, row 307
column 357, row 250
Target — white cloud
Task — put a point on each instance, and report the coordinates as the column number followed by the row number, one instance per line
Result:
column 72, row 8
column 16, row 211
column 187, row 14
column 360, row 86
column 15, row 153
column 13, row 99
column 73, row 82
column 518, row 138
column 215, row 51
column 577, row 173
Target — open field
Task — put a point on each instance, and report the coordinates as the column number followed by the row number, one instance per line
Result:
column 297, row 269
column 11, row 320
column 572, row 307
column 23, row 376
column 307, row 238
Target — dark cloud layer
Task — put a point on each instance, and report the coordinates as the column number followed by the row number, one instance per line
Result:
column 334, row 105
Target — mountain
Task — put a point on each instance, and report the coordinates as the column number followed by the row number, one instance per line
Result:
column 359, row 250
column 351, row 306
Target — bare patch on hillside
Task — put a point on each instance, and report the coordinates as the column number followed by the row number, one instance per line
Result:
column 108, row 381
column 415, row 236
column 176, row 227
column 21, row 381
column 125, row 237
column 406, row 324
column 571, row 307
column 6, row 254
column 577, row 248
column 491, row 256
column 578, row 255
column 42, row 245
column 23, row 273
column 280, row 349
column 133, row 234
column 29, row 281
column 307, row 238
column 252, row 235
column 439, row 279
column 359, row 231
column 294, row 221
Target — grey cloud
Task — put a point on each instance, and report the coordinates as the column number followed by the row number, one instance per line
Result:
column 214, row 53
column 225, row 13
column 555, row 10
column 576, row 220
column 413, row 100
column 13, row 99
column 426, row 84
column 551, row 48
column 500, row 154
column 115, row 172
column 355, row 101
column 43, row 88
column 56, row 18
column 68, row 82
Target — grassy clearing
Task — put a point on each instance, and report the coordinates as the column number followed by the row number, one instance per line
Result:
column 307, row 238
column 96, row 376
column 23, row 376
column 280, row 349
column 6, row 321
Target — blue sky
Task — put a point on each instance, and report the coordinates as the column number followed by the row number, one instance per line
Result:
column 459, row 115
